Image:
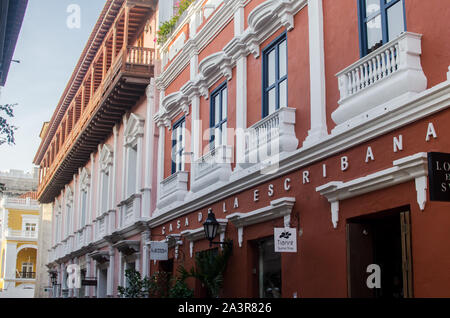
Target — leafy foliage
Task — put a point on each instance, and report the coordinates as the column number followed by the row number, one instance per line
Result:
column 159, row 285
column 7, row 130
column 209, row 269
column 167, row 27
column 137, row 287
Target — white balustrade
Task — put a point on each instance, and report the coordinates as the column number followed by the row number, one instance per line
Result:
column 271, row 136
column 211, row 169
column 391, row 72
column 173, row 189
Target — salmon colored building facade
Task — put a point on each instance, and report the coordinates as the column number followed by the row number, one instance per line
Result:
column 319, row 116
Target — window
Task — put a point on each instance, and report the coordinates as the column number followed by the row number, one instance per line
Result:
column 83, row 207
column 275, row 76
column 218, row 116
column 105, row 191
column 84, row 198
column 380, row 22
column 178, row 144
column 57, row 227
column 27, row 270
column 269, row 264
column 131, row 171
column 133, row 134
column 30, row 227
column 68, row 216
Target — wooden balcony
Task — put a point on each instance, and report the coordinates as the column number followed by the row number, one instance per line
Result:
column 122, row 86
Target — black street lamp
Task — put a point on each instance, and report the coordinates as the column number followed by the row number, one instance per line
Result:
column 211, row 226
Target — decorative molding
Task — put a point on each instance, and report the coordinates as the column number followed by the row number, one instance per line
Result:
column 198, row 234
column 85, row 179
column 134, row 129
column 100, row 257
column 128, row 247
column 413, row 167
column 106, row 158
column 278, row 208
column 263, row 21
column 401, row 113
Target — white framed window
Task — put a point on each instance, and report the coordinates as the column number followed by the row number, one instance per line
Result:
column 133, row 134
column 106, row 166
column 68, row 211
column 27, row 270
column 30, row 225
column 178, row 145
column 85, row 184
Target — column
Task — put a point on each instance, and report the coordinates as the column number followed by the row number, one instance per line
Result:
column 149, row 138
column 87, row 292
column 110, row 282
column 125, row 27
column 317, row 74
column 161, row 139
column 145, row 256
column 241, row 91
column 113, row 186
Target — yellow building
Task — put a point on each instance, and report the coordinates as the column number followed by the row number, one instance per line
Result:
column 19, row 228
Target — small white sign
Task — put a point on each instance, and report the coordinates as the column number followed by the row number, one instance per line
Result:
column 285, row 240
column 159, row 251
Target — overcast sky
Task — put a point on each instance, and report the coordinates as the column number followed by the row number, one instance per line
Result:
column 48, row 51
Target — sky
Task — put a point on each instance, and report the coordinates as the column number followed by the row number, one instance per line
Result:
column 48, row 50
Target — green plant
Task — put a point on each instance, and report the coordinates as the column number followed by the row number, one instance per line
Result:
column 180, row 289
column 159, row 285
column 209, row 269
column 137, row 287
column 167, row 27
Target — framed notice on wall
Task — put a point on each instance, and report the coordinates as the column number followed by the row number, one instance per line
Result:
column 439, row 176
column 285, row 240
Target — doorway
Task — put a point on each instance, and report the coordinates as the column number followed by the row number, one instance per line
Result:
column 269, row 269
column 379, row 255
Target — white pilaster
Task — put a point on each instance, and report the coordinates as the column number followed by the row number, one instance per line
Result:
column 161, row 139
column 317, row 74
column 113, row 187
column 241, row 89
column 145, row 256
column 149, row 137
column 110, row 281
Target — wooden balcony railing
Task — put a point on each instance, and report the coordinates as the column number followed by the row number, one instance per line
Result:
column 131, row 62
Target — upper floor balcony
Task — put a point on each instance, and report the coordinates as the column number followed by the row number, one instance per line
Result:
column 20, row 203
column 270, row 137
column 21, row 235
column 373, row 84
column 111, row 76
column 173, row 189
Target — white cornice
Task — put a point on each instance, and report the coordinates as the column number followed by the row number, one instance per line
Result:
column 413, row 167
column 277, row 208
